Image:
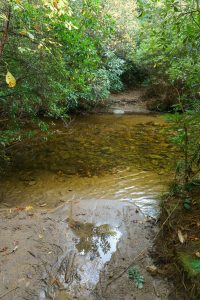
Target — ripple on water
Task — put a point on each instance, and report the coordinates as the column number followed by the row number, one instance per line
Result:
column 118, row 158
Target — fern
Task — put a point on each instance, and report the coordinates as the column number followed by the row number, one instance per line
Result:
column 135, row 275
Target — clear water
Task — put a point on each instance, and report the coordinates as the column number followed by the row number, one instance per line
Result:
column 123, row 158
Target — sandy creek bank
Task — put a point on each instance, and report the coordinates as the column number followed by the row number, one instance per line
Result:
column 55, row 252
column 76, row 211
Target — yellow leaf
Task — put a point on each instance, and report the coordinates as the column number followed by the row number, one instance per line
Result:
column 28, row 208
column 10, row 80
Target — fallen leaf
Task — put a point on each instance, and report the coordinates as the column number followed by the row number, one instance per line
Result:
column 19, row 209
column 40, row 236
column 152, row 269
column 197, row 254
column 29, row 207
column 194, row 238
column 181, row 237
column 55, row 281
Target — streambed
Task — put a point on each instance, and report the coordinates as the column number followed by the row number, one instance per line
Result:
column 81, row 203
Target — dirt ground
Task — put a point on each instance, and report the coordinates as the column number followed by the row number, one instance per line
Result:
column 180, row 258
column 58, row 254
column 129, row 101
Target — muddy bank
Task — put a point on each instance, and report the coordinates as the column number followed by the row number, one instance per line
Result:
column 177, row 246
column 66, row 253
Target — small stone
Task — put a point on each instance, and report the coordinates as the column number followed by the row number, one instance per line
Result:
column 118, row 111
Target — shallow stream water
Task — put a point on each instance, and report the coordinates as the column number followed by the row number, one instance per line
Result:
column 99, row 156
column 97, row 166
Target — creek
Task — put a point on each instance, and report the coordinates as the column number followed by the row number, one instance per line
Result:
column 94, row 171
column 121, row 158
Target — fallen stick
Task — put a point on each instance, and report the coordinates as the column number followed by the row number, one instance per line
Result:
column 126, row 269
column 1, row 296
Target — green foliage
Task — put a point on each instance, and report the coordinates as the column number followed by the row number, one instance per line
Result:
column 190, row 264
column 185, row 134
column 135, row 275
column 169, row 48
column 58, row 52
column 169, row 41
column 134, row 73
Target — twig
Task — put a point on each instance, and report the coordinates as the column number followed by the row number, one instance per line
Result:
column 126, row 269
column 9, row 292
column 31, row 253
column 68, row 272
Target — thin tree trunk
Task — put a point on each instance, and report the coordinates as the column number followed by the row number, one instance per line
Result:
column 6, row 25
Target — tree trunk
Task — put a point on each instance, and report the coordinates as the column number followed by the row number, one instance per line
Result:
column 5, row 30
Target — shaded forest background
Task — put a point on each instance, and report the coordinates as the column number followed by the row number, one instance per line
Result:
column 57, row 56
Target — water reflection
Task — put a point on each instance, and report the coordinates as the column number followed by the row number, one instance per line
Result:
column 97, row 241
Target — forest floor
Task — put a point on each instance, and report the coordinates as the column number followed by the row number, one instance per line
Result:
column 177, row 247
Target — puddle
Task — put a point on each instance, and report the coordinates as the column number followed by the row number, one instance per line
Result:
column 95, row 247
column 96, row 241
